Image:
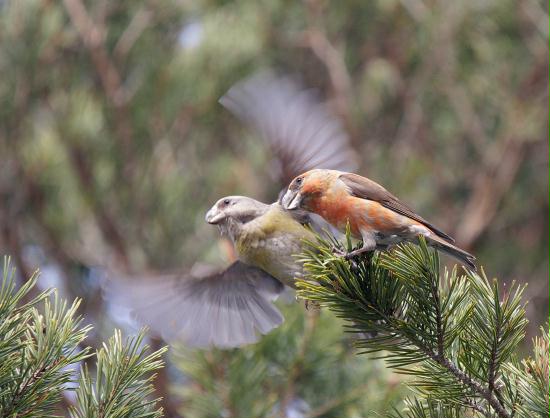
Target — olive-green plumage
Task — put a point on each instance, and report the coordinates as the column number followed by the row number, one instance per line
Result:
column 229, row 307
column 265, row 236
column 272, row 241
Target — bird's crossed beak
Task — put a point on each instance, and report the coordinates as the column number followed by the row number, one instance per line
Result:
column 292, row 199
column 214, row 216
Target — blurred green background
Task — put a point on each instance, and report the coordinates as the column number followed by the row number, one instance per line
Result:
column 113, row 146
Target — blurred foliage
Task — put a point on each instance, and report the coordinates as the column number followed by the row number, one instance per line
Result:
column 113, row 145
column 281, row 375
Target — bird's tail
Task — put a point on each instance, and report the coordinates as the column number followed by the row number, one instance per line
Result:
column 463, row 256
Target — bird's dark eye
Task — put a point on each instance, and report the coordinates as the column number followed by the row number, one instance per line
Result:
column 299, row 180
column 226, row 202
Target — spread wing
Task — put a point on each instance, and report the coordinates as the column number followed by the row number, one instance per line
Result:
column 297, row 126
column 367, row 189
column 223, row 309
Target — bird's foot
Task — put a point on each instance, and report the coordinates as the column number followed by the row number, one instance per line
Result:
column 339, row 252
column 356, row 253
column 353, row 256
column 348, row 255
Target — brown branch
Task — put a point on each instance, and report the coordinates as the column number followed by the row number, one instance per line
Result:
column 162, row 386
column 502, row 162
column 438, row 319
column 315, row 38
column 460, row 375
column 441, row 33
column 330, row 57
column 417, row 9
column 93, row 37
column 490, row 186
column 31, row 380
column 471, row 383
column 131, row 34
column 104, row 219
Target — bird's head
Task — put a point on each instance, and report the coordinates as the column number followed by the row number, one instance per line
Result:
column 234, row 210
column 307, row 187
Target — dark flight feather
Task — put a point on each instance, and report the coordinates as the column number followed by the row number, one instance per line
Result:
column 224, row 309
column 297, row 126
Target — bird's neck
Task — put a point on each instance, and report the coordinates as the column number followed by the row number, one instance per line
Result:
column 232, row 229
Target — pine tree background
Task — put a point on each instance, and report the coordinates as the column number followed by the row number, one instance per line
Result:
column 113, row 145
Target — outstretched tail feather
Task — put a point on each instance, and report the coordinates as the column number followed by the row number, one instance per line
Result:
column 463, row 256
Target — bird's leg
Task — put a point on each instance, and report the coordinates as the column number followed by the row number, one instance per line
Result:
column 369, row 244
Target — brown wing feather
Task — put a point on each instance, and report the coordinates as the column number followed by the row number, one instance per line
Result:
column 368, row 189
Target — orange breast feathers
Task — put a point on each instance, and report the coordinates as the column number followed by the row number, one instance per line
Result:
column 338, row 207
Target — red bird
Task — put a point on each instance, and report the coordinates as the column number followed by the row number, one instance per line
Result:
column 374, row 214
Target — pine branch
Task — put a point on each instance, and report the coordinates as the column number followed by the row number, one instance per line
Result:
column 40, row 344
column 37, row 349
column 476, row 387
column 531, row 377
column 452, row 333
column 123, row 381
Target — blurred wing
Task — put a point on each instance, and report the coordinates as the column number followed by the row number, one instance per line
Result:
column 367, row 189
column 224, row 309
column 297, row 126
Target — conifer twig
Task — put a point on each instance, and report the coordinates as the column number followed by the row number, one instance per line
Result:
column 454, row 334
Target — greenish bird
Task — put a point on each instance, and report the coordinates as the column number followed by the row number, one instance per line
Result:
column 265, row 236
column 231, row 307
column 207, row 306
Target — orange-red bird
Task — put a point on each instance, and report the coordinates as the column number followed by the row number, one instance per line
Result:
column 374, row 215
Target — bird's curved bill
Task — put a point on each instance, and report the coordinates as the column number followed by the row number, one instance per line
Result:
column 214, row 216
column 292, row 199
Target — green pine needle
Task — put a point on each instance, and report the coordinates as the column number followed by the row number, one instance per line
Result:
column 40, row 344
column 454, row 333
